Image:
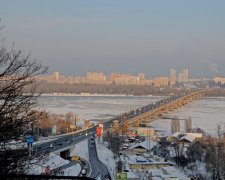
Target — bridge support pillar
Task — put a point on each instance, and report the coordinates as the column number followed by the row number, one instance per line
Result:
column 180, row 104
column 137, row 123
column 153, row 116
column 147, row 119
column 65, row 154
column 166, row 110
column 160, row 113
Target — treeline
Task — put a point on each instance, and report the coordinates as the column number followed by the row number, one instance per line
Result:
column 45, row 87
column 48, row 124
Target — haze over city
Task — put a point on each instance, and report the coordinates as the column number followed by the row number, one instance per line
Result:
column 112, row 90
column 119, row 36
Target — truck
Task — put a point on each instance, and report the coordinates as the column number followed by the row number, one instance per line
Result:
column 75, row 158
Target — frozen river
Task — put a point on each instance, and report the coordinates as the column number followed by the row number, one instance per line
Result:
column 94, row 107
column 205, row 113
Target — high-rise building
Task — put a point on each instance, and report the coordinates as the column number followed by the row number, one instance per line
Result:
column 180, row 77
column 56, row 76
column 173, row 77
column 141, row 76
column 185, row 75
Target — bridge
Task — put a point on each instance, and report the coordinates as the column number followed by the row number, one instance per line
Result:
column 149, row 112
column 63, row 144
column 134, row 117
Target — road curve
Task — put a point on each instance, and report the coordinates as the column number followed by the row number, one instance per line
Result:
column 97, row 166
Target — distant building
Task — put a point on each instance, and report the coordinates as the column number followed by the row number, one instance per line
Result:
column 219, row 80
column 121, row 80
column 55, row 76
column 95, row 76
column 183, row 76
column 114, row 76
column 125, row 79
column 173, row 77
column 161, row 81
column 141, row 76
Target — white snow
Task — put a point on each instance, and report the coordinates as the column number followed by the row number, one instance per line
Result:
column 53, row 161
column 73, row 170
column 145, row 144
column 106, row 156
column 81, row 150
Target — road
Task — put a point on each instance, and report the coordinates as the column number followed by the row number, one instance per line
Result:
column 97, row 167
column 62, row 142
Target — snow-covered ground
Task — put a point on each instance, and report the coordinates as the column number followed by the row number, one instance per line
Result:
column 144, row 173
column 52, row 161
column 106, row 156
column 73, row 170
column 81, row 150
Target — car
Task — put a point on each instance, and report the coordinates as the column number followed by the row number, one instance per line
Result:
column 69, row 141
column 85, row 166
column 51, row 145
column 125, row 147
column 83, row 171
column 75, row 158
column 107, row 177
column 60, row 144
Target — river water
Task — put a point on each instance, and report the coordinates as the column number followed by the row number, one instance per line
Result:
column 205, row 113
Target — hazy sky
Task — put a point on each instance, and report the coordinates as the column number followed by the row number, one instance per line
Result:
column 76, row 36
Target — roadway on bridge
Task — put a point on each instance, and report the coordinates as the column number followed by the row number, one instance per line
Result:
column 63, row 142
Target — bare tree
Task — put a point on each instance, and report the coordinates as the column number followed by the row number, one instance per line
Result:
column 115, row 143
column 215, row 156
column 195, row 151
column 124, row 128
column 119, row 166
column 17, row 103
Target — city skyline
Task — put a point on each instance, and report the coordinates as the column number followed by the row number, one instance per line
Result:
column 119, row 78
column 126, row 36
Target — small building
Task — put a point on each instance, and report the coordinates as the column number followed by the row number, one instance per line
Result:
column 143, row 147
column 187, row 137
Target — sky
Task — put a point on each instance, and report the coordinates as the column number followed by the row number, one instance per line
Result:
column 130, row 36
